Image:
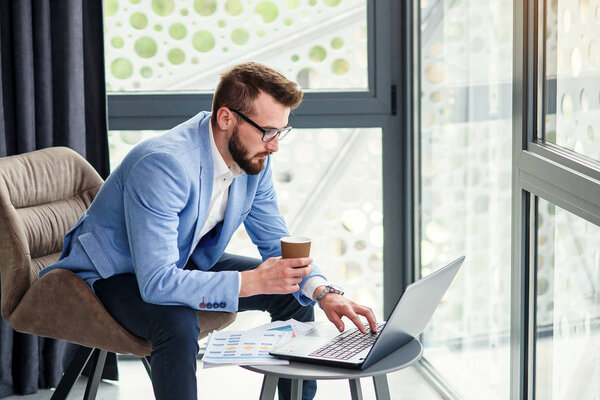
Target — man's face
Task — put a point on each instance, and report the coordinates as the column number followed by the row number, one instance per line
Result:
column 252, row 165
column 245, row 143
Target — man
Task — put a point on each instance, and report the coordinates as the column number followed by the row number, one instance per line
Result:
column 152, row 243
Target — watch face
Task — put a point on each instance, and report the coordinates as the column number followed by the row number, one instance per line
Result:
column 335, row 288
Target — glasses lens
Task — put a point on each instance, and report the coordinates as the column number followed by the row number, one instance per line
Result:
column 283, row 133
column 270, row 135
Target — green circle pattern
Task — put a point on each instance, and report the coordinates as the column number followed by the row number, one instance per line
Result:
column 317, row 53
column 234, row 7
column 176, row 56
column 121, row 68
column 240, row 36
column 177, row 31
column 117, row 42
column 337, row 43
column 146, row 72
column 267, row 10
column 203, row 41
column 340, row 66
column 138, row 20
column 111, row 7
column 146, row 47
column 205, row 7
column 292, row 4
column 163, row 8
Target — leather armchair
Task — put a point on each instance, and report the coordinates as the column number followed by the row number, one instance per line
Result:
column 42, row 194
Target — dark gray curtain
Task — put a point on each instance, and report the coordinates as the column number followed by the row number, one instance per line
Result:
column 52, row 93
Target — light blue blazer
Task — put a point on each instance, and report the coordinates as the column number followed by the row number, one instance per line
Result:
column 150, row 211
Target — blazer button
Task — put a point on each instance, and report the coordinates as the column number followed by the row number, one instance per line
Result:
column 222, row 304
column 215, row 305
column 209, row 305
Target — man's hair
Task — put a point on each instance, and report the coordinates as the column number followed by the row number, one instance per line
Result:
column 239, row 87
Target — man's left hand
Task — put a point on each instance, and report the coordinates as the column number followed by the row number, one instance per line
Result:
column 337, row 306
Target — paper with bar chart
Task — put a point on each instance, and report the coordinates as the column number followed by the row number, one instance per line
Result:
column 251, row 347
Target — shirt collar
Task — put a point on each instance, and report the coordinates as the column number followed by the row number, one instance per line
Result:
column 219, row 164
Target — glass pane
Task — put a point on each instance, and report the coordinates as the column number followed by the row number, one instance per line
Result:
column 573, row 76
column 465, row 189
column 120, row 142
column 167, row 45
column 329, row 187
column 567, row 305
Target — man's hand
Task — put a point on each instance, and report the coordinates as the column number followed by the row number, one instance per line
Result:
column 275, row 276
column 337, row 306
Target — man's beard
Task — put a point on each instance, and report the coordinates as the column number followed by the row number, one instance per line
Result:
column 240, row 155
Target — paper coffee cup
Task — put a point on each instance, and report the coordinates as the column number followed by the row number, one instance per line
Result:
column 295, row 247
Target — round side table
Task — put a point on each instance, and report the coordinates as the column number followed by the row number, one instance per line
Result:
column 298, row 372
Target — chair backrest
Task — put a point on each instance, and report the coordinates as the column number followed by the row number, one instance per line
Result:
column 42, row 195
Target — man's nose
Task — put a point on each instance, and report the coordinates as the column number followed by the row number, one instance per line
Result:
column 273, row 145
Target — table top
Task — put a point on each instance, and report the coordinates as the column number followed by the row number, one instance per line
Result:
column 401, row 358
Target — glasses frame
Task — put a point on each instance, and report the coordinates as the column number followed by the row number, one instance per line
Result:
column 267, row 134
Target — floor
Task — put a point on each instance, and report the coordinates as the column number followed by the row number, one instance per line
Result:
column 212, row 384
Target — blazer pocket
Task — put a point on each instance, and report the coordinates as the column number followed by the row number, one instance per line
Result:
column 97, row 254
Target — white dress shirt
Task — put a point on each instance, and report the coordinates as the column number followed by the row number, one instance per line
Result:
column 223, row 178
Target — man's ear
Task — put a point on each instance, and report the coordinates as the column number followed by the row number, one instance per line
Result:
column 225, row 118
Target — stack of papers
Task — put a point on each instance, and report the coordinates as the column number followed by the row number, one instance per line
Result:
column 251, row 347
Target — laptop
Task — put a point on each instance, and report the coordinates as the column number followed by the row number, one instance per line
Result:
column 352, row 349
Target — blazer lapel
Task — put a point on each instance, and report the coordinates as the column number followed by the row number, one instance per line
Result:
column 205, row 179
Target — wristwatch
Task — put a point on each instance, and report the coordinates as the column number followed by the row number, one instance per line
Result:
column 329, row 288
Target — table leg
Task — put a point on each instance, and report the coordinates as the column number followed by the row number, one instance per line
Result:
column 382, row 390
column 355, row 389
column 267, row 392
column 296, row 389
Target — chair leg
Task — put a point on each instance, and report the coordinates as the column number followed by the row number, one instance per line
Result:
column 98, row 359
column 72, row 373
column 146, row 363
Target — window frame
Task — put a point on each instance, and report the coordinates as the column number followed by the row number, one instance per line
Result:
column 540, row 170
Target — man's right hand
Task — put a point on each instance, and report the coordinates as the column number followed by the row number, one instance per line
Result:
column 275, row 276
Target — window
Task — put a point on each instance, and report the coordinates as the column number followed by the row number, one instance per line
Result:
column 567, row 305
column 163, row 59
column 165, row 45
column 464, row 181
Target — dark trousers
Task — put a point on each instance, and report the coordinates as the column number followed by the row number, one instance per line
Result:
column 173, row 330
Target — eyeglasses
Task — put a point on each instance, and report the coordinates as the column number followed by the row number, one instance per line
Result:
column 268, row 134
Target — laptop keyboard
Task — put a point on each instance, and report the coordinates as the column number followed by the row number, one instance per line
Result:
column 347, row 345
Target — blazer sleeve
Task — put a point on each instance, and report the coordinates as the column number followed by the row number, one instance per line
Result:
column 155, row 192
column 266, row 226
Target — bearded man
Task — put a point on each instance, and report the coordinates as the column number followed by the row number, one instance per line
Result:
column 152, row 243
